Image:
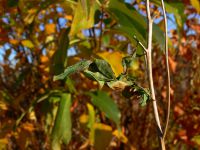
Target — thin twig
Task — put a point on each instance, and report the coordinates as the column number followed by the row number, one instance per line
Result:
column 150, row 75
column 167, row 69
column 94, row 37
column 144, row 48
column 101, row 27
column 149, row 63
column 91, row 39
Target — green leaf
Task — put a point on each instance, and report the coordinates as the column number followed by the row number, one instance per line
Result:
column 126, row 61
column 102, row 138
column 12, row 3
column 37, row 100
column 178, row 11
column 84, row 16
column 133, row 24
column 86, row 7
column 70, row 85
column 144, row 98
column 130, row 22
column 106, row 104
column 104, row 68
column 196, row 139
column 143, row 93
column 80, row 66
column 140, row 51
column 158, row 36
column 59, row 58
column 91, row 122
column 62, row 126
column 95, row 76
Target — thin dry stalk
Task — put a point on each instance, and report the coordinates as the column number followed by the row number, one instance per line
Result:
column 150, row 75
column 167, row 69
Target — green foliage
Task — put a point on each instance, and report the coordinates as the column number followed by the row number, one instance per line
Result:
column 101, row 71
column 39, row 40
column 128, row 24
column 59, row 59
column 106, row 104
column 84, row 16
column 12, row 3
column 80, row 66
column 144, row 96
column 96, row 76
column 62, row 126
column 103, row 67
column 132, row 24
column 91, row 122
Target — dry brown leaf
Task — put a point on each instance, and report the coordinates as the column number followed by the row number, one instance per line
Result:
column 44, row 59
column 172, row 64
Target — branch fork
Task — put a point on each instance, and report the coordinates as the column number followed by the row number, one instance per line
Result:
column 148, row 56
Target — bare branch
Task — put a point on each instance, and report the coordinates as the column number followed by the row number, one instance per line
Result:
column 150, row 75
column 167, row 69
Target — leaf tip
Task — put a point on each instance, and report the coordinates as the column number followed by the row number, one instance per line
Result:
column 56, row 77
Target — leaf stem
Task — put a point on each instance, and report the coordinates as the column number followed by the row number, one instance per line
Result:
column 144, row 48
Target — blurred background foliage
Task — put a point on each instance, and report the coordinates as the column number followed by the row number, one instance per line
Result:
column 40, row 38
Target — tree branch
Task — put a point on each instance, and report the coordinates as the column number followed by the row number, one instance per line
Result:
column 167, row 69
column 150, row 75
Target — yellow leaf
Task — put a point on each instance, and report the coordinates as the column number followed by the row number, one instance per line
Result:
column 28, row 127
column 91, row 115
column 120, row 136
column 30, row 16
column 50, row 28
column 50, row 53
column 83, row 119
column 91, row 122
column 32, row 116
column 135, row 65
column 83, row 19
column 3, row 106
column 3, row 143
column 27, row 43
column 196, row 4
column 47, row 69
column 101, row 126
column 68, row 17
column 114, row 59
